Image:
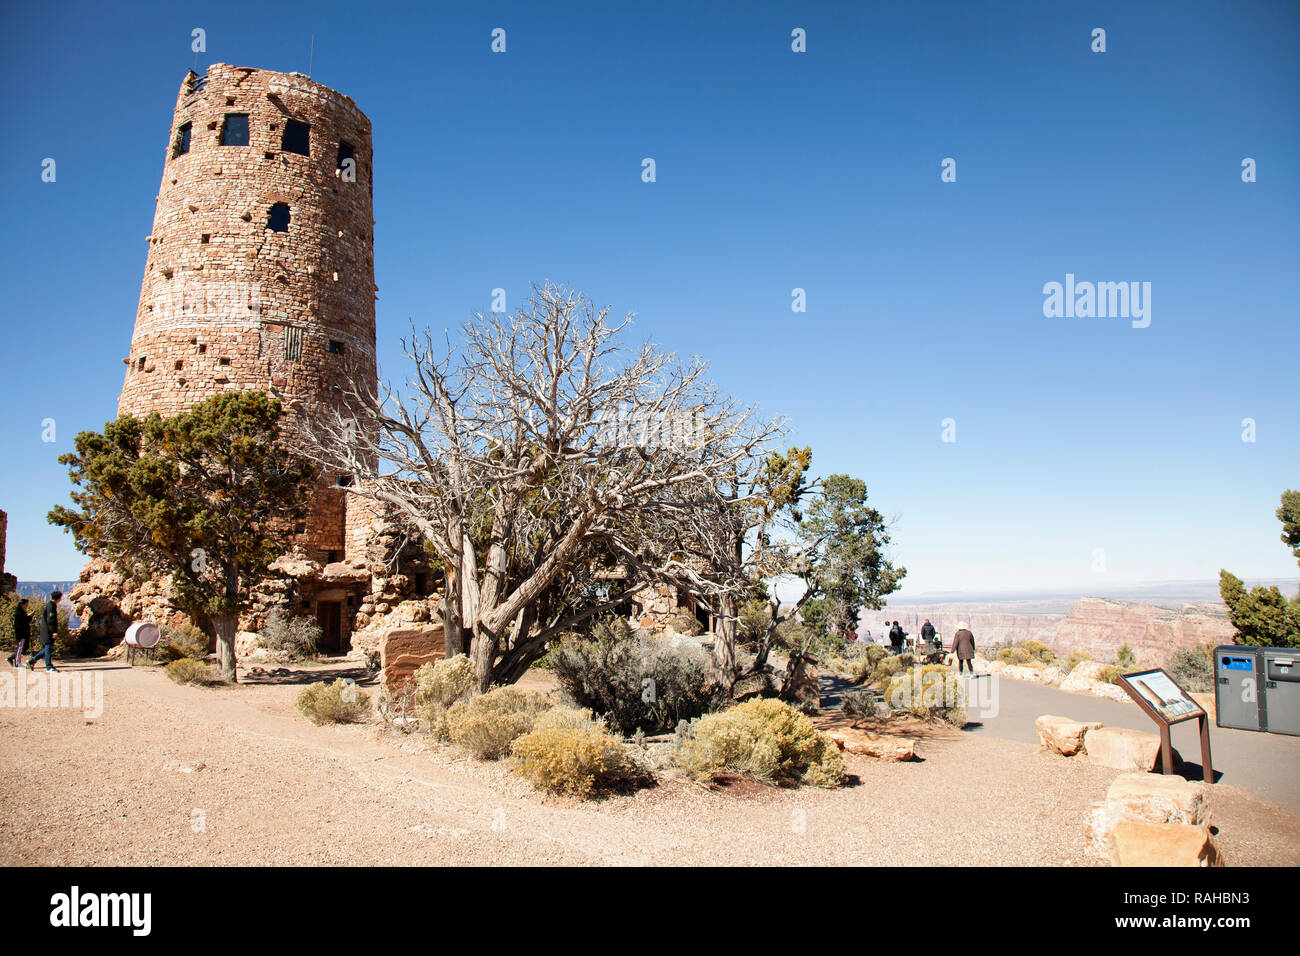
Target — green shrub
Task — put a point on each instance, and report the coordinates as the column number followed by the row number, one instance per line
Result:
column 1110, row 673
column 1193, row 668
column 186, row 670
column 1015, row 655
column 1125, row 657
column 177, row 641
column 487, row 725
column 754, row 617
column 931, row 691
column 289, row 638
column 1039, row 651
column 440, row 684
column 635, row 682
column 860, row 703
column 767, row 739
column 888, row 667
column 1075, row 659
column 341, row 702
column 684, row 623
column 876, row 653
column 568, row 752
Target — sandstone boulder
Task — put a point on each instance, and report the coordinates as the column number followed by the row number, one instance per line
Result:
column 1148, row 797
column 1061, row 734
column 1124, row 749
column 1050, row 675
column 996, row 667
column 403, row 649
column 1021, row 672
column 1141, row 843
column 876, row 745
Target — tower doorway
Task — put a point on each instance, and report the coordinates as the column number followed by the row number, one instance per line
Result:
column 329, row 615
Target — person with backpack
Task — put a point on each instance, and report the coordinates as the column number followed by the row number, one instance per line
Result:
column 927, row 632
column 49, row 631
column 896, row 636
column 22, row 632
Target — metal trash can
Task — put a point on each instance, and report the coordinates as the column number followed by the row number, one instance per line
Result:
column 1239, row 687
column 1282, row 690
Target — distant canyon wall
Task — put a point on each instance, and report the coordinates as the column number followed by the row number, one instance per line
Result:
column 1094, row 625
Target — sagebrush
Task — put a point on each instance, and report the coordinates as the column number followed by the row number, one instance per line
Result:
column 289, row 638
column 488, row 724
column 569, row 752
column 767, row 739
column 186, row 670
column 341, row 702
column 634, row 681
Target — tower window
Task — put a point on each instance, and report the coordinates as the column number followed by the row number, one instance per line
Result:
column 278, row 220
column 345, row 153
column 345, row 481
column 336, row 348
column 234, row 132
column 292, row 344
column 182, row 140
column 142, row 363
column 296, row 138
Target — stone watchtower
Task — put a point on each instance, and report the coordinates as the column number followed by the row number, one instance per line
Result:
column 260, row 273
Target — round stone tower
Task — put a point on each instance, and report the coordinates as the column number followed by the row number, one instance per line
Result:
column 260, row 272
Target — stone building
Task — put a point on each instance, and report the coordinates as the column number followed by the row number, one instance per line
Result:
column 260, row 275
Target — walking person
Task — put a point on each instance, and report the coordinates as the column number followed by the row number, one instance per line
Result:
column 896, row 636
column 963, row 645
column 22, row 632
column 927, row 633
column 49, row 631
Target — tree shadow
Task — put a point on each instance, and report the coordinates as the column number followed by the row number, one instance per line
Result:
column 278, row 674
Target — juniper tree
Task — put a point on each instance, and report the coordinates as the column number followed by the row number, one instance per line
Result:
column 207, row 498
column 1262, row 615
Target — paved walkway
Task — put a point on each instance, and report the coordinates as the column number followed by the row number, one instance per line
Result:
column 1267, row 765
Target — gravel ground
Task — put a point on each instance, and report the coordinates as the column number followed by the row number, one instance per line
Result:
column 273, row 789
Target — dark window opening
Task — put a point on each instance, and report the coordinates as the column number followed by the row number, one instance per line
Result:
column 296, row 138
column 421, row 583
column 278, row 220
column 230, row 101
column 345, row 153
column 202, row 349
column 182, row 140
column 345, row 481
column 234, row 132
column 336, row 348
column 205, row 238
column 142, row 363
column 224, row 361
column 179, row 365
column 333, row 556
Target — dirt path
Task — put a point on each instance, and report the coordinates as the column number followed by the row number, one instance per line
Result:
column 273, row 789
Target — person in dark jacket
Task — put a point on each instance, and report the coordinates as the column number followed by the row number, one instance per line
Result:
column 22, row 632
column 49, row 631
column 896, row 636
column 963, row 645
column 927, row 632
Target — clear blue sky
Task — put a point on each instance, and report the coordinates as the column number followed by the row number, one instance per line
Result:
column 776, row 170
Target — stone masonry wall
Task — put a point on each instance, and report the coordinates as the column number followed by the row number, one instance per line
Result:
column 227, row 303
